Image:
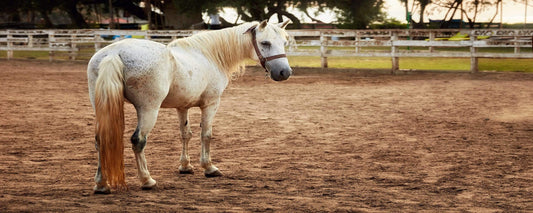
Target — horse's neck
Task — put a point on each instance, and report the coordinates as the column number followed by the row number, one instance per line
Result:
column 243, row 46
column 231, row 50
column 227, row 48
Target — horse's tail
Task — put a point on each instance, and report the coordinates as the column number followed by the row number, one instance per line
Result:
column 109, row 107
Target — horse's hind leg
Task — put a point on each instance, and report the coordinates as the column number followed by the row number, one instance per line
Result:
column 101, row 186
column 146, row 121
column 186, row 134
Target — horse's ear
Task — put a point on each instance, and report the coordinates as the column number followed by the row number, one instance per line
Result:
column 263, row 24
column 284, row 24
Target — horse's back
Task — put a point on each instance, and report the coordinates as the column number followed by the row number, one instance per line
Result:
column 146, row 69
column 136, row 54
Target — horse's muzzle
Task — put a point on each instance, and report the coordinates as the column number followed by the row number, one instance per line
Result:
column 281, row 75
column 279, row 69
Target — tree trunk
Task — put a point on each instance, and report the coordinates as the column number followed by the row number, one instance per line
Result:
column 131, row 8
column 77, row 19
column 423, row 5
column 445, row 23
column 46, row 18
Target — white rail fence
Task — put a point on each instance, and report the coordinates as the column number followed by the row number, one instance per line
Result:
column 473, row 44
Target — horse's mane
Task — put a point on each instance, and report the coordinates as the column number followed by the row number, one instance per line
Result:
column 226, row 47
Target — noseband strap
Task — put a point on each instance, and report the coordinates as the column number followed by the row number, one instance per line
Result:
column 262, row 59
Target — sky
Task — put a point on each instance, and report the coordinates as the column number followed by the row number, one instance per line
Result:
column 512, row 13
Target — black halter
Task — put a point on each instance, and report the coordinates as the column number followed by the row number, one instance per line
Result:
column 262, row 59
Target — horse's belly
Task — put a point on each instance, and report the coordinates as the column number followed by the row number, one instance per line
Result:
column 181, row 100
column 186, row 92
column 193, row 93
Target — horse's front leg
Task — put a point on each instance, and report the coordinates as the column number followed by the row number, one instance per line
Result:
column 186, row 134
column 208, row 114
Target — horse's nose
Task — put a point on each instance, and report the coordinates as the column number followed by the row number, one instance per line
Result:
column 285, row 74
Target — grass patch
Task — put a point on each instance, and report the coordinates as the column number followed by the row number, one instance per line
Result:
column 463, row 64
column 435, row 63
column 342, row 62
column 514, row 65
column 387, row 49
column 42, row 55
column 27, row 54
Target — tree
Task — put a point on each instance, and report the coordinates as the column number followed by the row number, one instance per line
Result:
column 352, row 13
column 181, row 14
column 13, row 9
column 70, row 6
column 475, row 7
column 422, row 4
column 470, row 9
column 264, row 9
column 357, row 14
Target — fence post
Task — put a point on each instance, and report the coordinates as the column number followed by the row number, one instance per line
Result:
column 394, row 50
column 9, row 45
column 473, row 58
column 516, row 45
column 73, row 54
column 51, row 39
column 96, row 42
column 30, row 40
column 323, row 50
column 431, row 39
column 357, row 40
column 148, row 35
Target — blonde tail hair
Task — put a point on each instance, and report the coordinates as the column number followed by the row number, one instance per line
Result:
column 109, row 107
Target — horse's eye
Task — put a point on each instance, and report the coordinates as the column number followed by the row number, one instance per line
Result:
column 266, row 43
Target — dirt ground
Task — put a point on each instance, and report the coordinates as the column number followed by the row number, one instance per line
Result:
column 336, row 140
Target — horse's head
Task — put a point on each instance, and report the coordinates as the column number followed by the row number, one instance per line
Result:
column 269, row 41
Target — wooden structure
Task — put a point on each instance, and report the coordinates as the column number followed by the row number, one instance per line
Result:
column 491, row 43
column 396, row 44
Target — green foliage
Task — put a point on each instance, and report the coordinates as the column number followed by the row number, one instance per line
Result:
column 186, row 6
column 357, row 14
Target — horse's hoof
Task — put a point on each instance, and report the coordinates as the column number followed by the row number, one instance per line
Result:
column 102, row 190
column 150, row 184
column 215, row 173
column 187, row 170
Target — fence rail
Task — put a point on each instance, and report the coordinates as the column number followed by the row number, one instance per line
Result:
column 468, row 43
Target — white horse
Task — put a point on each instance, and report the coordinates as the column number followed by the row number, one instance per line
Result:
column 188, row 72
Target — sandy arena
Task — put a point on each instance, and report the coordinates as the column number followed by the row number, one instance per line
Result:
column 337, row 140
